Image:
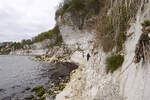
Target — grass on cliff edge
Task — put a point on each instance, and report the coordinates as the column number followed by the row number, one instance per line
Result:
column 114, row 62
column 46, row 35
column 80, row 6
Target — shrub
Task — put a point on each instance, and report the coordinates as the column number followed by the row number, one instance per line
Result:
column 77, row 4
column 146, row 23
column 113, row 63
column 26, row 42
column 66, row 6
column 69, row 6
column 17, row 45
column 95, row 5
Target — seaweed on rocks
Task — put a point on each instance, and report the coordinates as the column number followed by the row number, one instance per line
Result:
column 60, row 76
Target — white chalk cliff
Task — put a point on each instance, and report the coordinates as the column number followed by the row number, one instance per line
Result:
column 90, row 81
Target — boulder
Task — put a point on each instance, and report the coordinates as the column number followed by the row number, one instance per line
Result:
column 147, row 28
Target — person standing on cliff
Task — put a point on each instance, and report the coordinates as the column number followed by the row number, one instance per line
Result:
column 88, row 57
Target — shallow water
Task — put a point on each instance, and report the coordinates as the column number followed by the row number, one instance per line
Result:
column 18, row 74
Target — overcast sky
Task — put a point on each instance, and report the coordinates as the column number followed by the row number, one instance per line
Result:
column 22, row 19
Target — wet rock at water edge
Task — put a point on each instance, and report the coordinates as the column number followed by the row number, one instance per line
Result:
column 29, row 97
column 63, row 69
column 27, row 88
column 2, row 90
column 16, row 86
column 6, row 98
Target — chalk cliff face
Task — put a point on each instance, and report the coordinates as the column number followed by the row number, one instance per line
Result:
column 39, row 48
column 135, row 79
column 90, row 81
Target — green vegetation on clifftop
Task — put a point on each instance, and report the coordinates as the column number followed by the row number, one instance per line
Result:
column 46, row 35
column 7, row 47
column 80, row 10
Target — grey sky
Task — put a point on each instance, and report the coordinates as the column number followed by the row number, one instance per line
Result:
column 22, row 19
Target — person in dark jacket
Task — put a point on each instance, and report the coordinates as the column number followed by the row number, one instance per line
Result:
column 88, row 57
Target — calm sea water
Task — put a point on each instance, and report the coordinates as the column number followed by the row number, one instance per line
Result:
column 18, row 74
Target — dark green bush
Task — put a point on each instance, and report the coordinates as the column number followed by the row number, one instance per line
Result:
column 66, row 6
column 26, row 42
column 113, row 63
column 146, row 23
column 77, row 4
column 95, row 5
column 69, row 6
column 17, row 45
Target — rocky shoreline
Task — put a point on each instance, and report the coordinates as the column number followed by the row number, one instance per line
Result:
column 61, row 71
column 56, row 76
column 56, row 54
column 60, row 76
